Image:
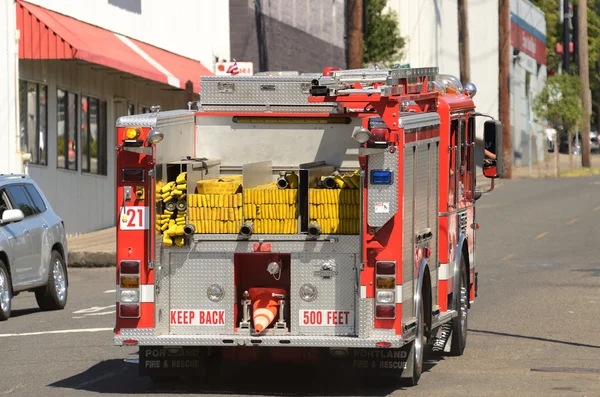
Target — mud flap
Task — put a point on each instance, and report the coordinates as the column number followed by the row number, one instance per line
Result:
column 370, row 362
column 172, row 361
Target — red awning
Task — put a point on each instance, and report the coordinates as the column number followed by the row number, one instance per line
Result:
column 48, row 35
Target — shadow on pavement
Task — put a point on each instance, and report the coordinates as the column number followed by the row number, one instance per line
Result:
column 23, row 312
column 119, row 377
column 562, row 342
column 591, row 272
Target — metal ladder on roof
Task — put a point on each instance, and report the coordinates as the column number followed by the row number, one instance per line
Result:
column 385, row 82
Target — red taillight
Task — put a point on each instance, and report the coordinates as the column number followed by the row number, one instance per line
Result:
column 385, row 312
column 383, row 344
column 132, row 311
column 130, row 342
column 385, row 290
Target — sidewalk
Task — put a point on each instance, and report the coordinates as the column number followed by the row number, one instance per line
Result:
column 545, row 169
column 96, row 249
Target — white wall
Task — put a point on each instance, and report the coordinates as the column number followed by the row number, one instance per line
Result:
column 9, row 159
column 431, row 31
column 197, row 29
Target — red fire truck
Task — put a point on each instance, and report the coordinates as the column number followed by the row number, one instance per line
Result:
column 325, row 218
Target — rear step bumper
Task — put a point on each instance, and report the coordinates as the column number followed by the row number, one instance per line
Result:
column 142, row 337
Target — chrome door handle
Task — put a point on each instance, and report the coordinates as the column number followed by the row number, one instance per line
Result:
column 45, row 226
column 26, row 231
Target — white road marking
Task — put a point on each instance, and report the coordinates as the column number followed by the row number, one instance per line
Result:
column 62, row 331
column 96, row 314
column 2, row 393
column 94, row 309
column 110, row 291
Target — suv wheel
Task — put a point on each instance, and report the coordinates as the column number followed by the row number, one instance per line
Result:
column 54, row 295
column 5, row 292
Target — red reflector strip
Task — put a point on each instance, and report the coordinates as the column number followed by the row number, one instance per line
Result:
column 130, row 342
column 383, row 344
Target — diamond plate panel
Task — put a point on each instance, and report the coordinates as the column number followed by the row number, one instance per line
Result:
column 162, row 288
column 255, row 90
column 288, row 341
column 422, row 188
column 190, row 276
column 366, row 319
column 149, row 119
column 335, row 293
column 138, row 332
column 382, row 200
column 383, row 334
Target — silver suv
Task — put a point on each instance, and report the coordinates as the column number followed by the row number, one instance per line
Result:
column 33, row 246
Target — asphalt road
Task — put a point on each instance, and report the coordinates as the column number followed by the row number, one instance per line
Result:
column 538, row 308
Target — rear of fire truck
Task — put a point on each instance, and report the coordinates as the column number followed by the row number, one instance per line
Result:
column 265, row 224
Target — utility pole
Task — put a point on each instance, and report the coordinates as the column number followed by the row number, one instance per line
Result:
column 354, row 21
column 585, row 82
column 504, row 57
column 463, row 42
column 566, row 38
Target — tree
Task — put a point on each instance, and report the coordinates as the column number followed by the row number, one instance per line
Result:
column 559, row 103
column 383, row 43
column 554, row 28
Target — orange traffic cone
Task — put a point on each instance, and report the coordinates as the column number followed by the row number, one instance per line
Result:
column 265, row 306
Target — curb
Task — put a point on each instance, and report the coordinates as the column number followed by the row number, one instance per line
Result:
column 92, row 259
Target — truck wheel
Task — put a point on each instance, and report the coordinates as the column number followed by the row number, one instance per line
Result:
column 5, row 292
column 414, row 368
column 54, row 295
column 459, row 323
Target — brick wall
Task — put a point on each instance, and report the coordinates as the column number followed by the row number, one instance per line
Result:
column 295, row 35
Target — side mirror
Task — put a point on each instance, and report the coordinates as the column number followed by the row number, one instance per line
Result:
column 9, row 216
column 492, row 149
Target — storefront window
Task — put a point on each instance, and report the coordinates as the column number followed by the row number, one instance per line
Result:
column 66, row 116
column 93, row 136
column 34, row 120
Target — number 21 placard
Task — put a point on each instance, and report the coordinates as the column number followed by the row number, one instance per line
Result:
column 133, row 218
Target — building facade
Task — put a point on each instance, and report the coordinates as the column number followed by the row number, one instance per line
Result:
column 76, row 68
column 431, row 30
column 304, row 36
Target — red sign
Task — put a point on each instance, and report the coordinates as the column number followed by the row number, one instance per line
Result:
column 528, row 43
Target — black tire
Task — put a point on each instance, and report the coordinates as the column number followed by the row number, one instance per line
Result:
column 460, row 322
column 54, row 295
column 6, row 294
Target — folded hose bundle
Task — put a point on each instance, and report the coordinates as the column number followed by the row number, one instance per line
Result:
column 335, row 203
